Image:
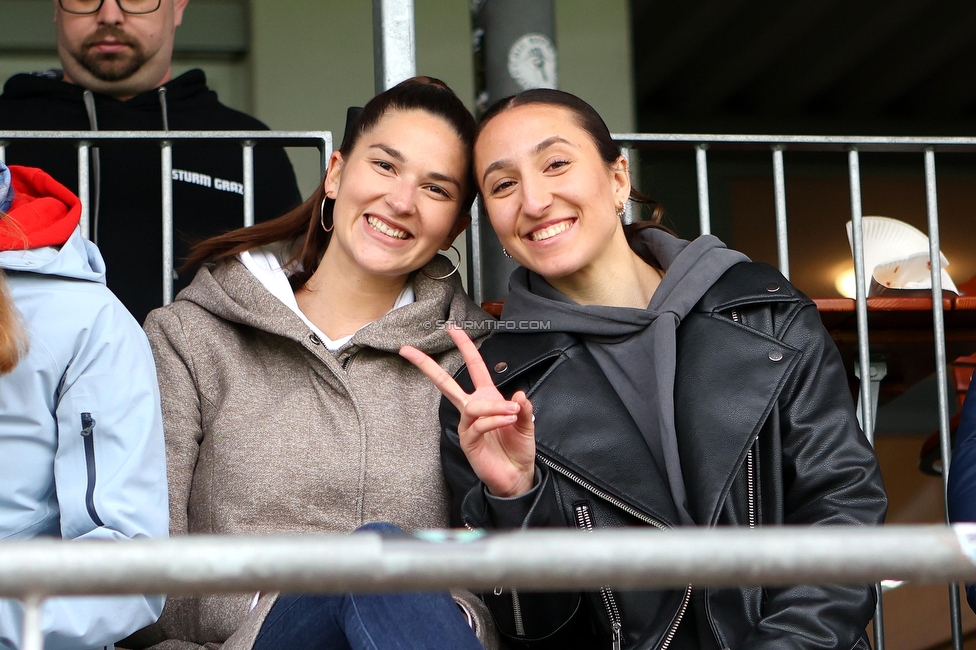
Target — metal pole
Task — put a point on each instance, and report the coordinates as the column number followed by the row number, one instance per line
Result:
column 514, row 49
column 3, row 151
column 394, row 43
column 325, row 153
column 938, row 322
column 167, row 154
column 83, row 192
column 33, row 634
column 701, row 164
column 779, row 188
column 476, row 277
column 248, row 156
column 628, row 206
column 863, row 349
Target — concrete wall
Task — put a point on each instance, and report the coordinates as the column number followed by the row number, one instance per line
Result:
column 310, row 61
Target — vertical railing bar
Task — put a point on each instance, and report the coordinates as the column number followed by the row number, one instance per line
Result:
column 248, row 159
column 325, row 152
column 941, row 370
column 33, row 634
column 704, row 214
column 3, row 150
column 879, row 637
column 475, row 272
column 84, row 194
column 628, row 205
column 779, row 187
column 863, row 348
column 167, row 179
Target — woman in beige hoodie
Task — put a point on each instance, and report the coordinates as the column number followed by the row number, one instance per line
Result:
column 286, row 406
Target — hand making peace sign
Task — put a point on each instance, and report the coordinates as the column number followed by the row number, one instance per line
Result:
column 497, row 435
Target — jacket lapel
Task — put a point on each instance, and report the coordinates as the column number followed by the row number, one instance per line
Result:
column 748, row 369
column 607, row 449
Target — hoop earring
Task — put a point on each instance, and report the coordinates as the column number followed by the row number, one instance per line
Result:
column 457, row 265
column 621, row 211
column 322, row 216
column 506, row 253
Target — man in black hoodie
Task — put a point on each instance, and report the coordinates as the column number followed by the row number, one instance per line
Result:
column 117, row 75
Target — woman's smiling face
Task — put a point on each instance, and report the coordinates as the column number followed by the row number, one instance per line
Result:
column 398, row 194
column 550, row 197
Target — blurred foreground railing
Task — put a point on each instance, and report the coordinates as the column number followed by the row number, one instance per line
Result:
column 528, row 560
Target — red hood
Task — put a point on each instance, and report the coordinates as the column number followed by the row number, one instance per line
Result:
column 43, row 213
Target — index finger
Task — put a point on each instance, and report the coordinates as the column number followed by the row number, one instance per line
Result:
column 441, row 378
column 477, row 369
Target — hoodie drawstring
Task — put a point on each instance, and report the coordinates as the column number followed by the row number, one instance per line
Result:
column 161, row 91
column 96, row 164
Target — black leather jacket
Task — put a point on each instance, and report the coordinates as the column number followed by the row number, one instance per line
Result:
column 766, row 435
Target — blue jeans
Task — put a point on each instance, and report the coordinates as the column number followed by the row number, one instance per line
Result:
column 394, row 621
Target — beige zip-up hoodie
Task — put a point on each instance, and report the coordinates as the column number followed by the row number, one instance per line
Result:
column 267, row 431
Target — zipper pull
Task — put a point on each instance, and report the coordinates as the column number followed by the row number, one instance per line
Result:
column 87, row 424
column 617, row 640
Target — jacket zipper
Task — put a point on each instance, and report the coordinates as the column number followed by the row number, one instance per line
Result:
column 584, row 521
column 735, row 315
column 609, row 498
column 88, row 435
column 516, row 603
column 751, row 479
column 517, row 613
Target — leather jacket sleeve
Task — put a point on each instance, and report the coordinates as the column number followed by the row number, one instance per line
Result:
column 962, row 473
column 542, row 614
column 830, row 476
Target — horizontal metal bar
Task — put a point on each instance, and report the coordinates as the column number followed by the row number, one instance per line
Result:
column 534, row 559
column 800, row 142
column 275, row 138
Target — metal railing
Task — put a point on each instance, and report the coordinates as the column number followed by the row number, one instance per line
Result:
column 542, row 560
column 246, row 140
column 852, row 145
column 779, row 147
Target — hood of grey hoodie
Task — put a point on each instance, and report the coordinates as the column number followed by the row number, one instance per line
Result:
column 77, row 259
column 230, row 291
column 636, row 348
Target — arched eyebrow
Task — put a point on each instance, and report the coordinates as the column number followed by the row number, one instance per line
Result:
column 399, row 157
column 393, row 153
column 539, row 148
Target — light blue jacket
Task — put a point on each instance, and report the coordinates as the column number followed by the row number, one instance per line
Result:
column 81, row 436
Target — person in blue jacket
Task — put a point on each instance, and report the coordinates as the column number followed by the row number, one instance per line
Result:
column 962, row 473
column 81, row 436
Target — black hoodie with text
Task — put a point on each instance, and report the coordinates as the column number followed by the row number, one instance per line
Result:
column 208, row 191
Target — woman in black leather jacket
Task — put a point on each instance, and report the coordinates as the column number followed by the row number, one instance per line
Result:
column 644, row 380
